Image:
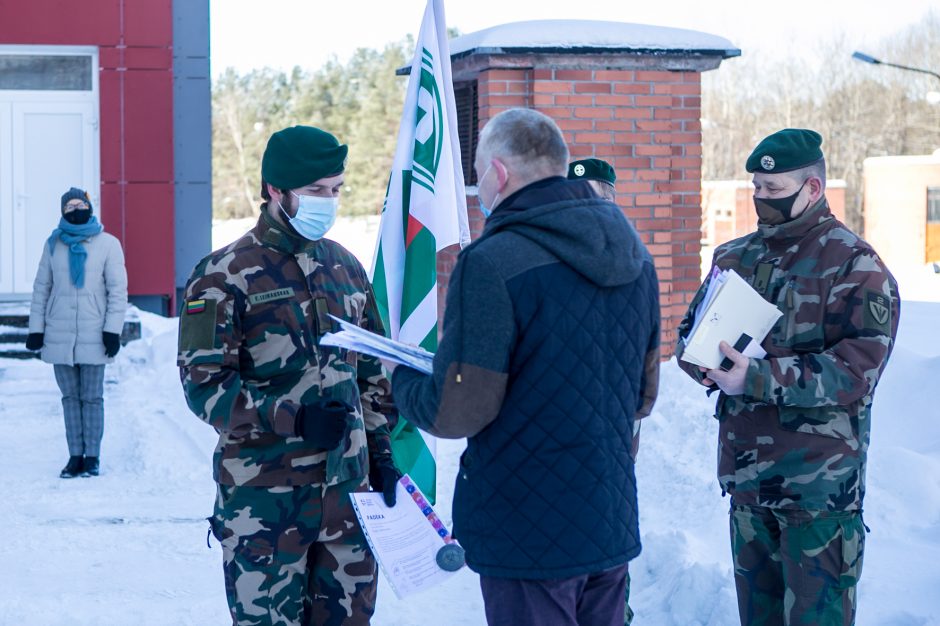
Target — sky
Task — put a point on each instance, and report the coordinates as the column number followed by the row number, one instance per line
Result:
column 285, row 33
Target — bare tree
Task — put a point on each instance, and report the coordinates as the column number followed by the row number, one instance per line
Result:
column 861, row 110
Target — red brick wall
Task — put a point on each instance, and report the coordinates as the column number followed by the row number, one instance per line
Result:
column 646, row 124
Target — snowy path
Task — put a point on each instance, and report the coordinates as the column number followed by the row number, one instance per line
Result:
column 120, row 548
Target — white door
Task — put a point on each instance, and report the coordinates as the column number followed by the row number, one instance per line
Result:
column 48, row 143
column 53, row 149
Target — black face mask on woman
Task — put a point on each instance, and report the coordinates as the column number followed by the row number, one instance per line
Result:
column 776, row 210
column 78, row 216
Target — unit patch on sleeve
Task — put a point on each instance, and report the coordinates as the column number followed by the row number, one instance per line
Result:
column 877, row 311
column 197, row 326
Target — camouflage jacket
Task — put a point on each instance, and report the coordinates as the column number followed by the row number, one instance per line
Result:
column 249, row 357
column 798, row 436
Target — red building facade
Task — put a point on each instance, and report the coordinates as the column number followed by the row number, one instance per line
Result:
column 152, row 100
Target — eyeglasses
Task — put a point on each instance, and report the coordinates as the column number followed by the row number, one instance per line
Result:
column 76, row 206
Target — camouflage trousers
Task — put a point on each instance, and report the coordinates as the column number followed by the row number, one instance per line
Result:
column 294, row 555
column 796, row 568
column 628, row 612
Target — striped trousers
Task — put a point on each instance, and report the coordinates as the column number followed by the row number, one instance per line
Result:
column 82, row 388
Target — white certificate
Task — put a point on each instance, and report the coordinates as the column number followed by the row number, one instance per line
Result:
column 405, row 539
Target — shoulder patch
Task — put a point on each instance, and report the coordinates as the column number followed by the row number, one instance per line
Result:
column 197, row 325
column 195, row 306
column 877, row 311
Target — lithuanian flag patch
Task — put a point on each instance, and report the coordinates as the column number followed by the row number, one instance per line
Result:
column 195, row 306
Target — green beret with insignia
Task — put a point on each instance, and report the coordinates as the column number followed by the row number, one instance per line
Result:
column 592, row 169
column 786, row 150
column 300, row 155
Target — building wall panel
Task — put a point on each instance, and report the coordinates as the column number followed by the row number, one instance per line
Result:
column 148, row 131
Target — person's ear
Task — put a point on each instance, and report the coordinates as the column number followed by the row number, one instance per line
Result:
column 502, row 174
column 815, row 188
column 275, row 193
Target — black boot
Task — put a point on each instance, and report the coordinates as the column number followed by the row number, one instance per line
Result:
column 73, row 468
column 91, row 466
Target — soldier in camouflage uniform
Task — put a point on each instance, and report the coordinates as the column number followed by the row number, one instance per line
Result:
column 300, row 425
column 795, row 425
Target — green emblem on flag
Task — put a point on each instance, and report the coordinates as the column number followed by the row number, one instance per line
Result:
column 429, row 135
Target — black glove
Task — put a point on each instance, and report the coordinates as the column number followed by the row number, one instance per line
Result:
column 34, row 341
column 112, row 343
column 383, row 476
column 322, row 424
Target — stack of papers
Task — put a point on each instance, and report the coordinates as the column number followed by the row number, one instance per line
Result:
column 730, row 308
column 352, row 337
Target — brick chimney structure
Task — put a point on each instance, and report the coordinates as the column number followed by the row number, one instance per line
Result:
column 626, row 93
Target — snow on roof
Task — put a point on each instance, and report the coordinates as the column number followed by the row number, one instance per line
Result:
column 590, row 36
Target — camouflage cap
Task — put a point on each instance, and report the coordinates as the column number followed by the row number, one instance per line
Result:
column 300, row 155
column 785, row 150
column 592, row 169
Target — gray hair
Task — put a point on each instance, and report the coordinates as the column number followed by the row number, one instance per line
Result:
column 606, row 191
column 816, row 169
column 527, row 141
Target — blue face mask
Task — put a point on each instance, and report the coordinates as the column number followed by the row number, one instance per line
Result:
column 315, row 216
column 483, row 208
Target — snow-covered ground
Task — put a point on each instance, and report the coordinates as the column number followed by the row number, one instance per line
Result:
column 130, row 547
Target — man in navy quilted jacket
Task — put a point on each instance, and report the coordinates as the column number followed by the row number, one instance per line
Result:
column 550, row 351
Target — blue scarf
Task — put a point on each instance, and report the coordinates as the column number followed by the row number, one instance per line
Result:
column 73, row 235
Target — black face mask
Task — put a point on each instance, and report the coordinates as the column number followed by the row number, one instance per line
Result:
column 776, row 210
column 78, row 216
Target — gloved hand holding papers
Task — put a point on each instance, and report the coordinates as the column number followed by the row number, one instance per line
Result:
column 731, row 311
column 352, row 337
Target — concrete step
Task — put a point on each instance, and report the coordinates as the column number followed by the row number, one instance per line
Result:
column 17, row 320
column 6, row 353
column 10, row 334
column 14, row 325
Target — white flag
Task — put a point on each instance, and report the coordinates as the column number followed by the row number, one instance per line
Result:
column 425, row 211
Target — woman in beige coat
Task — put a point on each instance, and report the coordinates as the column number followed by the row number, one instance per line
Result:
column 77, row 313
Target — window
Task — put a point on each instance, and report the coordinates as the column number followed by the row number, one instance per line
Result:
column 46, row 72
column 468, row 120
column 933, row 205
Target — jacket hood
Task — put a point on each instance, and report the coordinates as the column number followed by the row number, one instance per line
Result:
column 583, row 231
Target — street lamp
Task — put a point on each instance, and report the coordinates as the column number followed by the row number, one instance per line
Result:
column 864, row 58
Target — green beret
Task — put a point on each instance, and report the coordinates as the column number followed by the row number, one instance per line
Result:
column 786, row 150
column 300, row 155
column 592, row 169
